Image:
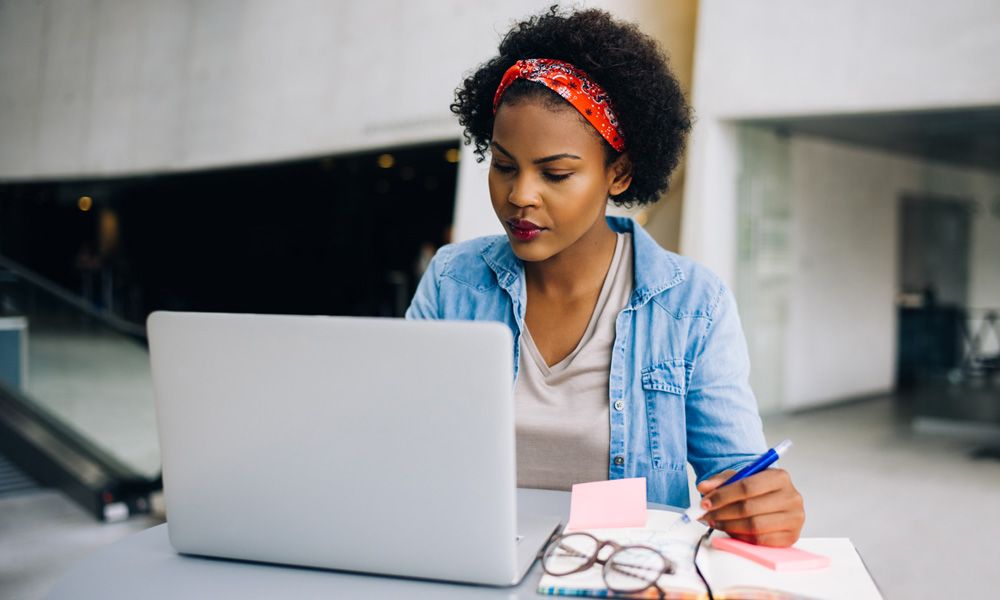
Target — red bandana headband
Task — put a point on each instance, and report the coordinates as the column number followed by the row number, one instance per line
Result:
column 572, row 84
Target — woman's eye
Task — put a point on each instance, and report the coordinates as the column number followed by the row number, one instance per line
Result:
column 503, row 168
column 556, row 176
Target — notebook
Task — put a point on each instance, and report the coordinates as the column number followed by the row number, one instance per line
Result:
column 727, row 573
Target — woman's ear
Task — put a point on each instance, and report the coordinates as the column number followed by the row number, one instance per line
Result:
column 619, row 175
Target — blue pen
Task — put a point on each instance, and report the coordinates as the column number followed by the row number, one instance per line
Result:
column 766, row 460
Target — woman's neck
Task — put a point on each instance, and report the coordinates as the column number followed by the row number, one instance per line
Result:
column 578, row 270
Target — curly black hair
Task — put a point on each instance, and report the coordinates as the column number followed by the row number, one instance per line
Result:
column 653, row 115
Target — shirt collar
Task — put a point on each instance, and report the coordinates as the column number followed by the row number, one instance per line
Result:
column 655, row 269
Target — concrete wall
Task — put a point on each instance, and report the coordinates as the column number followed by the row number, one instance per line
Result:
column 787, row 57
column 109, row 87
column 114, row 87
column 793, row 57
column 841, row 331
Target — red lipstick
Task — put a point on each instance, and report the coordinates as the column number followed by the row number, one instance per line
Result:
column 523, row 229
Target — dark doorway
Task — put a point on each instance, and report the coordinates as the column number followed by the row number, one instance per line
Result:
column 336, row 235
column 934, row 253
column 941, row 374
column 933, row 280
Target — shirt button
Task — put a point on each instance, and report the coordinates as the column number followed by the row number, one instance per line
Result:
column 619, row 405
column 619, row 460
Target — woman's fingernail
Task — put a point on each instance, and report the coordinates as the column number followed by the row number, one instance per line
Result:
column 706, row 504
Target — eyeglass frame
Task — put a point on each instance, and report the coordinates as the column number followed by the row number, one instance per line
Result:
column 669, row 567
column 594, row 559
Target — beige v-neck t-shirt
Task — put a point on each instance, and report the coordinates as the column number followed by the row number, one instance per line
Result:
column 562, row 412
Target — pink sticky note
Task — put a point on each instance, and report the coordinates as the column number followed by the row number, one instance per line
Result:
column 605, row 504
column 779, row 559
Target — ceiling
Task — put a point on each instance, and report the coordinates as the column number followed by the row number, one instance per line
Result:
column 967, row 137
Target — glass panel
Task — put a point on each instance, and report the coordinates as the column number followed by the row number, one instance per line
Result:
column 764, row 261
column 89, row 371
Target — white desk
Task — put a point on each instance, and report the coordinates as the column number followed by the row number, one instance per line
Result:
column 145, row 566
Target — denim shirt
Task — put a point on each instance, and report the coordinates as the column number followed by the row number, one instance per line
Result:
column 678, row 389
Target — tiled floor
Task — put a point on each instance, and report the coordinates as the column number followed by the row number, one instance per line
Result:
column 919, row 509
column 42, row 534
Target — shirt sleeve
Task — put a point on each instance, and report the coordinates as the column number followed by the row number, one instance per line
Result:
column 426, row 300
column 723, row 425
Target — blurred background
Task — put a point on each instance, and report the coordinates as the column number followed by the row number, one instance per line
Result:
column 299, row 157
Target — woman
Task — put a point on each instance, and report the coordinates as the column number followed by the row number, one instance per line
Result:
column 629, row 360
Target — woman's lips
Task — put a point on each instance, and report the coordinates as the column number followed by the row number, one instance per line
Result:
column 523, row 229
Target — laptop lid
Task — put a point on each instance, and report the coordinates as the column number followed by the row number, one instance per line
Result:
column 363, row 444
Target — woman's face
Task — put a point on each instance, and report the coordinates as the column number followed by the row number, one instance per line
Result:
column 549, row 183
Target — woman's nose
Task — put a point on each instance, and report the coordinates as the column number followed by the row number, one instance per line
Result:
column 524, row 193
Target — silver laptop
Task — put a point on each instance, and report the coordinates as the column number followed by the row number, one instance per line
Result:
column 360, row 444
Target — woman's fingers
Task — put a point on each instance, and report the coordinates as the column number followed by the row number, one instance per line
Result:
column 771, row 502
column 762, row 483
column 762, row 509
column 715, row 481
column 761, row 524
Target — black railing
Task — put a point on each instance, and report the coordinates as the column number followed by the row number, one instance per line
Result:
column 11, row 272
column 78, row 378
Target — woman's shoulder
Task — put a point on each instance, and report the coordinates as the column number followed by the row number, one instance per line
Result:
column 689, row 288
column 472, row 262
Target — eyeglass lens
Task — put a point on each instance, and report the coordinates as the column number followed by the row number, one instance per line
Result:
column 633, row 569
column 570, row 554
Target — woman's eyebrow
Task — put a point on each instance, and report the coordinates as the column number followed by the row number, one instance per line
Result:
column 537, row 161
column 555, row 157
column 503, row 150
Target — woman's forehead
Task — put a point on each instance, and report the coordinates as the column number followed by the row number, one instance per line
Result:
column 537, row 128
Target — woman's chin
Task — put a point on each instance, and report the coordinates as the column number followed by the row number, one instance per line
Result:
column 529, row 251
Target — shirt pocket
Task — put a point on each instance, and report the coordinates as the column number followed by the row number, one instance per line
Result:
column 664, row 387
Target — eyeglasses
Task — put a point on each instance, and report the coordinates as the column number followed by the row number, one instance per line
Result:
column 626, row 570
